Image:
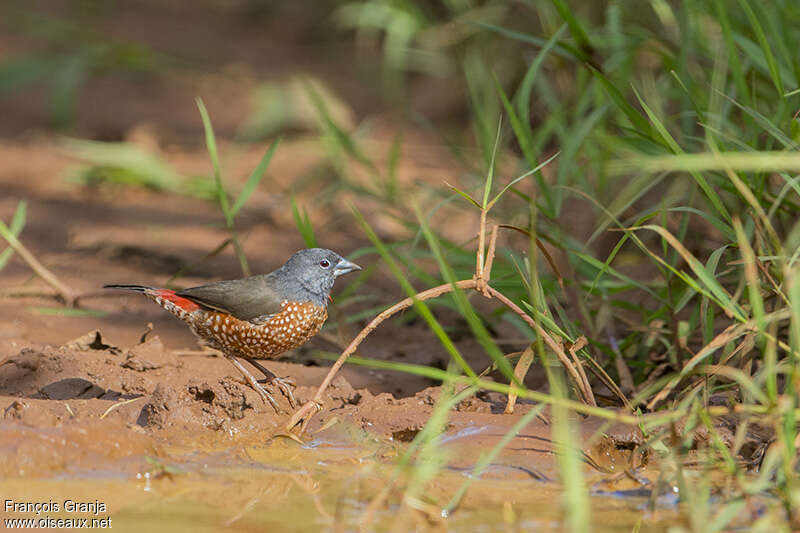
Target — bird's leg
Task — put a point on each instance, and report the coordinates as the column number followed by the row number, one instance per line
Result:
column 251, row 380
column 285, row 385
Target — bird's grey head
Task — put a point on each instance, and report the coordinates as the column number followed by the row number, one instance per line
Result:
column 316, row 269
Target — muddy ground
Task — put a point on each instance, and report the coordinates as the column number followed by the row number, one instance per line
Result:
column 145, row 427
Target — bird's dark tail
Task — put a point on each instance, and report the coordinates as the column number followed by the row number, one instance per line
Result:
column 129, row 287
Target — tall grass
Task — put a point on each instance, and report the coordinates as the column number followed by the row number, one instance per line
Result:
column 678, row 128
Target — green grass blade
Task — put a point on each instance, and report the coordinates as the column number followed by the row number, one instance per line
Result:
column 717, row 291
column 570, row 461
column 710, row 193
column 464, row 195
column 640, row 124
column 751, row 275
column 606, row 268
column 432, row 456
column 575, row 28
column 768, row 125
column 338, row 134
column 303, row 224
column 521, row 177
column 720, row 226
column 255, row 178
column 794, row 300
column 14, row 228
column 562, row 49
column 487, row 188
column 522, row 100
column 391, row 167
column 126, row 163
column 211, row 145
column 752, row 161
column 723, row 520
column 721, row 7
column 774, row 71
column 485, row 384
column 526, row 145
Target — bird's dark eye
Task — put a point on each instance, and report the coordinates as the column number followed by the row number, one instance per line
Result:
column 324, row 263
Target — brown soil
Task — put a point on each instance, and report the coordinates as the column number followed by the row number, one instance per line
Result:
column 107, row 403
column 138, row 413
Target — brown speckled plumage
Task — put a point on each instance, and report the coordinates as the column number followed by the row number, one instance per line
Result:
column 267, row 338
column 260, row 317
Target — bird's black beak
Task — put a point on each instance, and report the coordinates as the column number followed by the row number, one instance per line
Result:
column 344, row 266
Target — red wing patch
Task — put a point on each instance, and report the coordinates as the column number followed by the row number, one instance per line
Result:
column 169, row 295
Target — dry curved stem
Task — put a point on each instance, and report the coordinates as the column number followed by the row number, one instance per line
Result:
column 65, row 293
column 603, row 376
column 730, row 333
column 37, row 292
column 119, row 404
column 480, row 283
column 542, row 249
column 304, row 413
column 520, row 370
column 548, row 340
column 586, row 389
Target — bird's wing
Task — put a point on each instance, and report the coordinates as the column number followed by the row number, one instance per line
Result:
column 246, row 299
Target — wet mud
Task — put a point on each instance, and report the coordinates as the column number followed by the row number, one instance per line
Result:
column 149, row 431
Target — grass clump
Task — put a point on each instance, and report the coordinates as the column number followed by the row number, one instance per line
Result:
column 678, row 131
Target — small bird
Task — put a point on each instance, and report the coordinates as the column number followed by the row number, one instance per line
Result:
column 259, row 317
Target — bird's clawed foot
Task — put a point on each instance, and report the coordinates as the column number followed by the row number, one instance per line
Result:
column 285, row 385
column 266, row 396
column 261, row 391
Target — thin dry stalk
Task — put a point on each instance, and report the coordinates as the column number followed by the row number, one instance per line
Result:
column 728, row 334
column 479, row 268
column 551, row 343
column 542, row 249
column 37, row 292
column 305, row 412
column 625, row 377
column 66, row 293
column 521, row 368
column 744, row 347
column 603, row 376
column 119, row 404
column 27, row 292
column 585, row 387
column 479, row 283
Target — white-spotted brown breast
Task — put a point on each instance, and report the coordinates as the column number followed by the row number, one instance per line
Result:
column 291, row 327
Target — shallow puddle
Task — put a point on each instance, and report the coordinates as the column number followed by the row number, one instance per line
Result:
column 326, row 484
